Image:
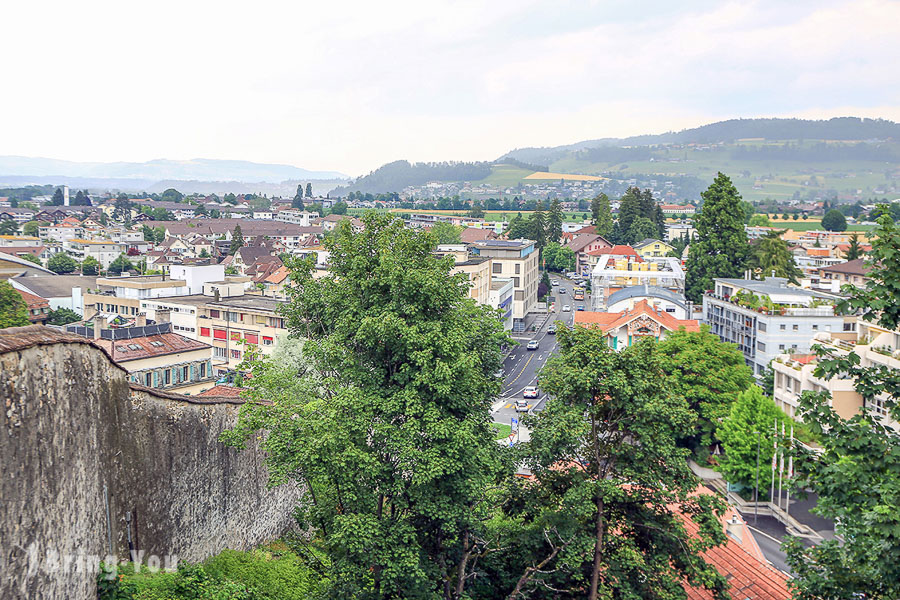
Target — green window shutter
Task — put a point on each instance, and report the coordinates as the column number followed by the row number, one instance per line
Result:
column 155, row 378
column 193, row 372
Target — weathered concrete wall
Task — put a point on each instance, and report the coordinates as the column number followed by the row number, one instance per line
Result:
column 76, row 440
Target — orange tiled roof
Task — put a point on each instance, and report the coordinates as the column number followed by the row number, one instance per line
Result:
column 223, row 391
column 609, row 321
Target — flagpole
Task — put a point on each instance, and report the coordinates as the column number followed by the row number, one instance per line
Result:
column 787, row 504
column 780, row 464
column 774, row 459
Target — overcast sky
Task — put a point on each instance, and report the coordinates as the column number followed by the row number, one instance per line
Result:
column 349, row 86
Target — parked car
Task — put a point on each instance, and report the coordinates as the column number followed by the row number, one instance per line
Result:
column 532, row 345
column 554, row 283
column 566, row 308
column 530, row 392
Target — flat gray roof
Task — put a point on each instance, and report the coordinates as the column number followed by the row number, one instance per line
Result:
column 636, row 291
column 57, row 286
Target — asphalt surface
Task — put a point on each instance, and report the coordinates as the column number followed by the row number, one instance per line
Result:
column 522, row 366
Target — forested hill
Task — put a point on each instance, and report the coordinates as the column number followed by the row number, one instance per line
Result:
column 399, row 174
column 839, row 128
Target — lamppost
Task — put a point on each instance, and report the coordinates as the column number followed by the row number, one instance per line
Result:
column 756, row 490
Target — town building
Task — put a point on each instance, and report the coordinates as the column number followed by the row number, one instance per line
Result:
column 625, row 328
column 476, row 268
column 104, row 252
column 619, row 267
column 38, row 308
column 583, row 244
column 61, row 291
column 501, row 298
column 155, row 356
column 767, row 318
column 795, row 373
column 651, row 248
column 659, row 298
column 855, row 272
column 295, row 216
column 516, row 260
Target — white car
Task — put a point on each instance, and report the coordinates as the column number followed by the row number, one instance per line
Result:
column 521, row 405
column 567, row 308
column 530, row 392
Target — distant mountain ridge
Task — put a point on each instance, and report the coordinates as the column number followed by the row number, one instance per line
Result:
column 838, row 128
column 197, row 169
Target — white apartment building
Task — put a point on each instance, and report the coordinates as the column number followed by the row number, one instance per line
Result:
column 767, row 318
column 104, row 251
column 297, row 217
column 60, row 233
column 795, row 374
column 516, row 260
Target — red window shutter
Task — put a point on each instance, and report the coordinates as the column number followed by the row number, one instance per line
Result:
column 204, row 331
column 219, row 334
column 251, row 338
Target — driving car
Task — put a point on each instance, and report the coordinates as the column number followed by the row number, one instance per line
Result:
column 551, row 330
column 530, row 392
column 554, row 283
column 580, row 307
column 532, row 345
column 566, row 308
column 562, row 290
column 521, row 405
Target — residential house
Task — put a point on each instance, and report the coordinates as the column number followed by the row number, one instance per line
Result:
column 19, row 241
column 624, row 328
column 19, row 215
column 155, row 356
column 61, row 233
column 583, row 244
column 38, row 308
column 105, row 252
column 855, row 272
column 651, row 248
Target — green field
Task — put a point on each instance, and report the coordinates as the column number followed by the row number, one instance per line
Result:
column 506, row 175
column 503, row 430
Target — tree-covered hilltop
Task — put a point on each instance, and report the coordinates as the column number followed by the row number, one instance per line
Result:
column 838, row 128
column 395, row 176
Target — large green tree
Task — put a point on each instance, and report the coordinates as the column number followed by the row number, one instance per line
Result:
column 601, row 215
column 121, row 263
column 31, row 228
column 58, row 198
column 770, row 255
column 554, row 222
column 709, row 374
column 297, row 202
column 611, row 486
column 855, row 250
column 90, row 266
column 751, row 422
column 61, row 263
column 537, row 223
column 720, row 248
column 63, row 316
column 558, row 258
column 387, row 424
column 446, row 233
column 13, row 310
column 237, row 240
column 834, row 220
column 857, row 475
column 8, row 227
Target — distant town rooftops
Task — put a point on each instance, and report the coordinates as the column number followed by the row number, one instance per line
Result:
column 851, row 267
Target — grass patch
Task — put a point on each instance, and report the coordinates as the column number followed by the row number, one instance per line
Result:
column 503, row 430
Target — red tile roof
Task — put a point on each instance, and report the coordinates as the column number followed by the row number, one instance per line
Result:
column 743, row 565
column 149, row 346
column 852, row 267
column 226, row 391
column 609, row 321
column 474, row 234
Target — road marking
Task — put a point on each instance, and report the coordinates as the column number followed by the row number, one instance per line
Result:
column 522, row 371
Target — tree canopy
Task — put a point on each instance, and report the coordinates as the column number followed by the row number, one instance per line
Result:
column 769, row 255
column 61, row 263
column 601, row 215
column 834, row 220
column 237, row 240
column 446, row 233
column 13, row 310
column 720, row 248
column 393, row 439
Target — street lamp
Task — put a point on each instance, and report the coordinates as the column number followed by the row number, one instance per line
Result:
column 756, row 490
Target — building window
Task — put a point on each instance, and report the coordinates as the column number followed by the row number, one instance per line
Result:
column 167, row 377
column 518, row 269
column 219, row 334
column 850, row 326
column 251, row 338
column 815, row 327
column 214, row 314
column 781, row 346
column 796, row 328
column 782, row 327
column 220, row 352
column 204, row 331
column 184, row 373
column 148, row 379
column 203, row 370
column 235, row 336
column 762, row 326
column 760, row 346
column 235, row 354
column 515, row 282
column 267, row 341
column 498, row 267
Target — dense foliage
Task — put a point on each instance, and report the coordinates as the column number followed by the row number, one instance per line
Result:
column 857, row 477
column 770, row 256
column 720, row 248
column 385, row 421
column 61, row 263
column 13, row 310
column 604, row 515
column 399, row 174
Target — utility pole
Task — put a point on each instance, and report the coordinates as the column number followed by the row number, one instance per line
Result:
column 756, row 492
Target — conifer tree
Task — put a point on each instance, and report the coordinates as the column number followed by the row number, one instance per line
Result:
column 720, row 248
column 237, row 240
column 554, row 222
column 601, row 215
column 309, row 192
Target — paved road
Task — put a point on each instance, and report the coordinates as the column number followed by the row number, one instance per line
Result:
column 522, row 366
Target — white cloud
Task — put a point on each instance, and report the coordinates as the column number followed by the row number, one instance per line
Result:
column 351, row 85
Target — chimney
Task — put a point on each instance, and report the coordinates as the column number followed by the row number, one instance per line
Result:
column 140, row 320
column 163, row 315
column 735, row 528
column 99, row 325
